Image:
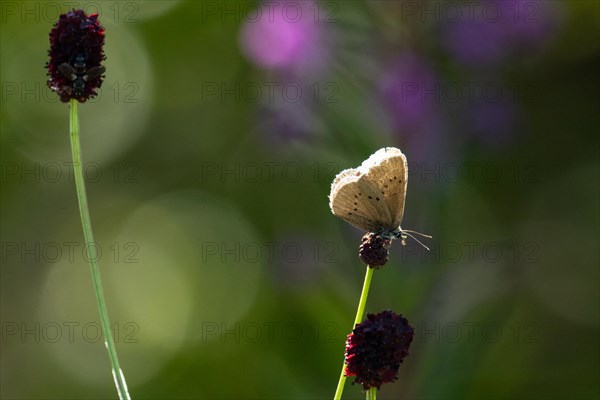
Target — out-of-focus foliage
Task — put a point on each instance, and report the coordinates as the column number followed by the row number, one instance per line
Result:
column 209, row 154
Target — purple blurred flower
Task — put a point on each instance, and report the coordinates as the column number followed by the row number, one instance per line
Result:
column 411, row 95
column 494, row 30
column 478, row 42
column 283, row 120
column 494, row 123
column 408, row 89
column 285, row 36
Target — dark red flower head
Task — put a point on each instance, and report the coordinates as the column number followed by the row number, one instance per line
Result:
column 374, row 250
column 76, row 55
column 376, row 348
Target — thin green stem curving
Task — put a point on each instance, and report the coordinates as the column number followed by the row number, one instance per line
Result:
column 92, row 254
column 359, row 316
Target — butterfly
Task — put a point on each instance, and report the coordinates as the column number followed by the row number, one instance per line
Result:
column 372, row 196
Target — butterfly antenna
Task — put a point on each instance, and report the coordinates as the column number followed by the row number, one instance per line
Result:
column 417, row 240
column 417, row 233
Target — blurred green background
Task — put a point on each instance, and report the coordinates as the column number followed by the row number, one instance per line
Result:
column 209, row 157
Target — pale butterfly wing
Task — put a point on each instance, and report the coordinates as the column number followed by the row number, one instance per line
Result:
column 343, row 175
column 358, row 200
column 387, row 169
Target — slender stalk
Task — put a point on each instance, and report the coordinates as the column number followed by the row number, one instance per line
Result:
column 372, row 393
column 92, row 253
column 359, row 316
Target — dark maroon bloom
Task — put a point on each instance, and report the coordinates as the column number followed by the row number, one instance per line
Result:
column 376, row 348
column 374, row 250
column 76, row 55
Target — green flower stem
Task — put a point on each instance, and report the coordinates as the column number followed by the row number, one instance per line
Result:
column 359, row 316
column 372, row 393
column 92, row 255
